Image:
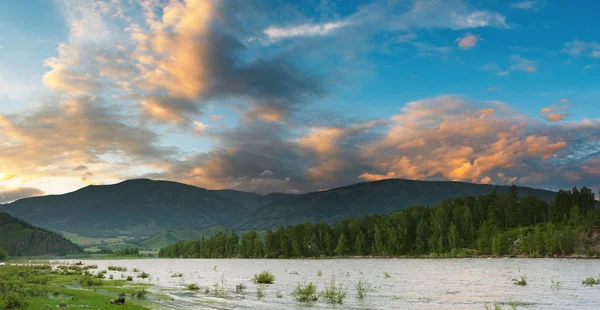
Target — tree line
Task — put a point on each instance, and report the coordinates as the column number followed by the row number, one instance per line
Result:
column 489, row 224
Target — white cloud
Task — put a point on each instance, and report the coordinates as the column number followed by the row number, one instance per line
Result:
column 522, row 64
column 305, row 30
column 588, row 67
column 528, row 5
column 578, row 47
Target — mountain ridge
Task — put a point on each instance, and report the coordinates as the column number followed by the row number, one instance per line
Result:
column 144, row 207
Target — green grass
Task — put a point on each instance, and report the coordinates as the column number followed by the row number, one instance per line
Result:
column 264, row 277
column 306, row 292
column 386, row 274
column 41, row 287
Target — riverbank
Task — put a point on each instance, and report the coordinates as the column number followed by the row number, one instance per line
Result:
column 41, row 284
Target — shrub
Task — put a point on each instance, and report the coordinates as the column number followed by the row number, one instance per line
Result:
column 129, row 278
column 101, row 274
column 14, row 301
column 264, row 277
column 141, row 294
column 88, row 281
column 306, row 292
column 333, row 294
column 361, row 289
column 3, row 255
column 144, row 275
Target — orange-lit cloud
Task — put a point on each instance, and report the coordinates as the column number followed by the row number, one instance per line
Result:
column 467, row 42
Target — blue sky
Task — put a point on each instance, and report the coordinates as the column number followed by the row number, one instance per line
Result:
column 276, row 96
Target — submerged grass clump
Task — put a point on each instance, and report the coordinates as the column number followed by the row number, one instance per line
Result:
column 117, row 268
column 306, row 292
column 144, row 275
column 192, row 287
column 590, row 281
column 260, row 291
column 521, row 282
column 177, row 275
column 362, row 287
column 240, row 288
column 264, row 277
column 334, row 294
column 386, row 274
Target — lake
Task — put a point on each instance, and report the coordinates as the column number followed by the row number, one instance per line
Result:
column 412, row 283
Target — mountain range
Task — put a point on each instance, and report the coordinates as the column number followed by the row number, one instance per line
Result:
column 145, row 207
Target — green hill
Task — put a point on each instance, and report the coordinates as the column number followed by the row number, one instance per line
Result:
column 166, row 238
column 20, row 238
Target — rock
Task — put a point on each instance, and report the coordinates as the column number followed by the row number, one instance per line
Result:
column 63, row 304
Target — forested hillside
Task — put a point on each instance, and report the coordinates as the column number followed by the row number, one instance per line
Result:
column 18, row 238
column 494, row 223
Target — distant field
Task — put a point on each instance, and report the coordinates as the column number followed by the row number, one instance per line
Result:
column 86, row 241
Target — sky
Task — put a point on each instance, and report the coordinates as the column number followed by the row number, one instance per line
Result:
column 290, row 96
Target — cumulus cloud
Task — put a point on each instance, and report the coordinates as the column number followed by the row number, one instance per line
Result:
column 48, row 140
column 467, row 41
column 557, row 112
column 467, row 141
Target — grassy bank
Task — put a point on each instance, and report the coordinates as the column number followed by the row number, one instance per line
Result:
column 44, row 286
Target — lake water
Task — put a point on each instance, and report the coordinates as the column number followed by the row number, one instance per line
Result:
column 412, row 283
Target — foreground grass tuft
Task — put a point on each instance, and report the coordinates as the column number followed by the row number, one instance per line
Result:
column 362, row 287
column 306, row 292
column 264, row 277
column 260, row 291
column 333, row 294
